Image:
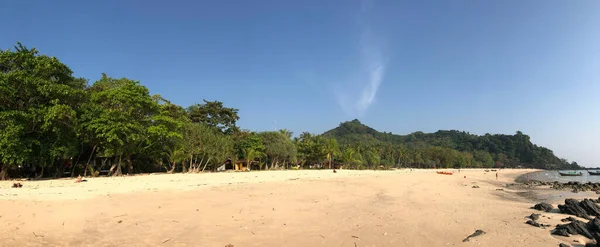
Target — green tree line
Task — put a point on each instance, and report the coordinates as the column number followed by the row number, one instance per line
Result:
column 445, row 148
column 53, row 123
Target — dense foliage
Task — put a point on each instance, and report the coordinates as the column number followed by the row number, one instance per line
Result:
column 53, row 121
column 445, row 148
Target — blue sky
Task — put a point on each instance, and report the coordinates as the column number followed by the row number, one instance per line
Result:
column 399, row 66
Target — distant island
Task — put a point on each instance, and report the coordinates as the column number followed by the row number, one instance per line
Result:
column 53, row 124
column 444, row 149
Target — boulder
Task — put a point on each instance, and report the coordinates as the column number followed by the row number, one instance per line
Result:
column 534, row 216
column 563, row 245
column 594, row 225
column 544, row 207
column 568, row 219
column 561, row 232
column 573, row 207
column 475, row 234
column 590, row 207
column 575, row 227
column 536, row 224
column 596, row 236
column 533, row 223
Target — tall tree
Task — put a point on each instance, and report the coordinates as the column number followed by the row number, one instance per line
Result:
column 331, row 148
column 213, row 113
column 278, row 147
column 39, row 101
column 119, row 115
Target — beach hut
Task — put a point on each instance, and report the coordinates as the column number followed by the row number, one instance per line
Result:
column 226, row 165
column 241, row 165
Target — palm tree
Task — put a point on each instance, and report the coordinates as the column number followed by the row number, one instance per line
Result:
column 350, row 157
column 286, row 133
column 175, row 155
column 250, row 155
column 331, row 148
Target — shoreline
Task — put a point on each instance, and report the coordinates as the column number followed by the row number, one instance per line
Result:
column 273, row 208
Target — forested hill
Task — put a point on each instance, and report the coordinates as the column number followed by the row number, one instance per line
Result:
column 447, row 148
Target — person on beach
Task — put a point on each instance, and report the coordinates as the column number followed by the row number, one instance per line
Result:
column 496, row 175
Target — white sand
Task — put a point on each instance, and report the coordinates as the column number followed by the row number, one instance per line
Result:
column 275, row 208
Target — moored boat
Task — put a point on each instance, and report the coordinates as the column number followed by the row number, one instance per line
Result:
column 570, row 174
column 445, row 173
column 594, row 173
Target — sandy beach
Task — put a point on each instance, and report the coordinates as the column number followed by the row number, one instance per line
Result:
column 273, row 208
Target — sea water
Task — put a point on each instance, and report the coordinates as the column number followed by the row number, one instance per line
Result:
column 551, row 176
column 557, row 196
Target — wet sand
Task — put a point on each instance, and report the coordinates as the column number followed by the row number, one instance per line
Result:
column 273, row 208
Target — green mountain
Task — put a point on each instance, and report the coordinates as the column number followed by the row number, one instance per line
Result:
column 446, row 148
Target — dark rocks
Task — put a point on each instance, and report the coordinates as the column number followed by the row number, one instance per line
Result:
column 561, row 232
column 594, row 225
column 536, row 224
column 573, row 207
column 575, row 227
column 534, row 216
column 583, row 209
column 563, row 245
column 544, row 207
column 591, row 245
column 576, row 186
column 568, row 219
column 475, row 234
column 587, row 208
column 475, row 187
column 590, row 207
column 597, row 238
column 573, row 186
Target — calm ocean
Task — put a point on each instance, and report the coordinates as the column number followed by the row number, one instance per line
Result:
column 551, row 176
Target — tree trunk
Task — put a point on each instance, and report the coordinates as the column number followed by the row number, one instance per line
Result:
column 41, row 173
column 3, row 172
column 129, row 165
column 87, row 165
column 197, row 165
column 59, row 170
column 172, row 167
column 206, row 164
column 117, row 172
column 191, row 162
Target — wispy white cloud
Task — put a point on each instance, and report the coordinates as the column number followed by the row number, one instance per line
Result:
column 356, row 96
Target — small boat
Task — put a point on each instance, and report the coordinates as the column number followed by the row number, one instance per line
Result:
column 594, row 173
column 570, row 174
column 445, row 173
